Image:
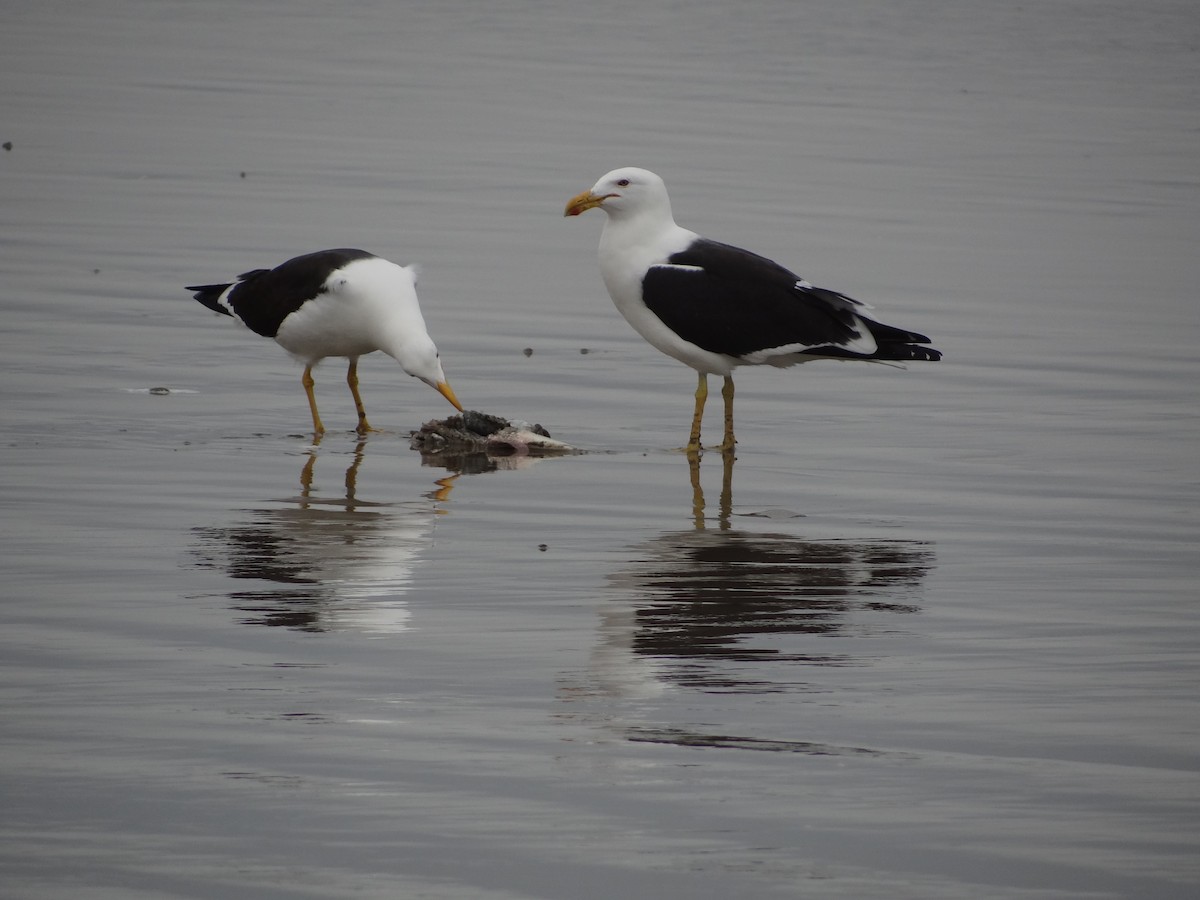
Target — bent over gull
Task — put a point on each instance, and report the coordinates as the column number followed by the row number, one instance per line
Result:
column 340, row 302
column 715, row 307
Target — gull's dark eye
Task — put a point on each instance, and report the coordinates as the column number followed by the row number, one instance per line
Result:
column 624, row 182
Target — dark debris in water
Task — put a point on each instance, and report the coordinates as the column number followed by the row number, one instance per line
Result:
column 474, row 441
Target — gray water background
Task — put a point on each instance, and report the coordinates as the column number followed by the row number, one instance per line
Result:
column 937, row 640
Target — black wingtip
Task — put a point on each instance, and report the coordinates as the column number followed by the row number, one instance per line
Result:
column 907, row 353
column 210, row 295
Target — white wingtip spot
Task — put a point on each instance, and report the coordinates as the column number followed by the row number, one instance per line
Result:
column 676, row 267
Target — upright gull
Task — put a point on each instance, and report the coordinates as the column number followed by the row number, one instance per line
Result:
column 335, row 303
column 717, row 307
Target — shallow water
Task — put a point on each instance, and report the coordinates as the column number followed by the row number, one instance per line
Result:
column 933, row 635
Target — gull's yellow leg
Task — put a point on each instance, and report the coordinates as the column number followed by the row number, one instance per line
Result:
column 729, row 442
column 693, row 444
column 352, row 379
column 308, row 382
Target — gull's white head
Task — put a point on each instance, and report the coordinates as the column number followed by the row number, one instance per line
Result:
column 622, row 193
column 419, row 358
column 402, row 333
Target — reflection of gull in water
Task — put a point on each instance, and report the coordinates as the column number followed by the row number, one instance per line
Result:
column 709, row 608
column 325, row 563
column 736, row 611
